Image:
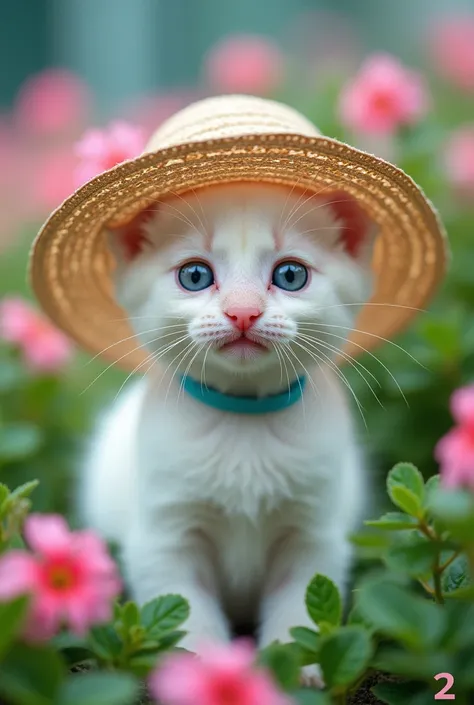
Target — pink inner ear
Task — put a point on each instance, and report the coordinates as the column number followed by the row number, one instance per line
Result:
column 355, row 222
column 131, row 237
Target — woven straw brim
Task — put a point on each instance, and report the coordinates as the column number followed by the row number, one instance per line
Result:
column 71, row 266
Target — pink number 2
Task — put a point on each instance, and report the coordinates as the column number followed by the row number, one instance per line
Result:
column 443, row 693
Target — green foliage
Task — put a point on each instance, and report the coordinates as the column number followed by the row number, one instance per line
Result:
column 136, row 638
column 31, row 675
column 99, row 689
column 344, row 656
column 323, row 602
column 11, row 619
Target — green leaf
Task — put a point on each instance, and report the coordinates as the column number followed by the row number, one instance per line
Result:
column 431, row 486
column 164, row 614
column 397, row 613
column 323, row 601
column 344, row 656
column 307, row 638
column 370, row 545
column 105, row 642
column 459, row 626
column 24, row 491
column 31, row 675
column 310, row 697
column 142, row 663
column 129, row 615
column 19, row 441
column 11, row 618
column 455, row 509
column 392, row 521
column 406, row 500
column 402, row 693
column 464, row 669
column 99, row 689
column 4, row 493
column 456, row 575
column 355, row 617
column 414, row 556
column 171, row 639
column 406, row 488
column 283, row 663
column 462, row 593
column 421, row 666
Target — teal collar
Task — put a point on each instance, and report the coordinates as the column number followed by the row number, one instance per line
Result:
column 244, row 405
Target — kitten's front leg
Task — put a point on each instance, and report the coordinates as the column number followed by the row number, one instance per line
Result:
column 158, row 563
column 283, row 605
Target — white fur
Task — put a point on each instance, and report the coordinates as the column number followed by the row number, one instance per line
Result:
column 234, row 512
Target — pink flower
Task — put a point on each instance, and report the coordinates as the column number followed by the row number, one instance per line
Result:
column 459, row 160
column 455, row 451
column 244, row 64
column 223, row 675
column 53, row 179
column 51, row 102
column 451, row 46
column 45, row 349
column 100, row 150
column 383, row 96
column 70, row 576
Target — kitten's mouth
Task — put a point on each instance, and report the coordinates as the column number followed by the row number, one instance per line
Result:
column 243, row 345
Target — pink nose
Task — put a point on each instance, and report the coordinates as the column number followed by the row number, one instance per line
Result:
column 243, row 317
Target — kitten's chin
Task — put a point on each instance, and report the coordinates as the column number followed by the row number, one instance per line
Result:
column 243, row 348
column 242, row 357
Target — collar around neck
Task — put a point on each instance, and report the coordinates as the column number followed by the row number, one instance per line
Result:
column 245, row 405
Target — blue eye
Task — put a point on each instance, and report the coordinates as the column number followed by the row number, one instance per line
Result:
column 195, row 276
column 290, row 276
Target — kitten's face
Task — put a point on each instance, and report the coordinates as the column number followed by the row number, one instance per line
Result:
column 245, row 278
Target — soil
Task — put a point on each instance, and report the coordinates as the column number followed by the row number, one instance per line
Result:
column 364, row 695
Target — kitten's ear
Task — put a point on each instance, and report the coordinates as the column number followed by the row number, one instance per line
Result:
column 127, row 242
column 358, row 230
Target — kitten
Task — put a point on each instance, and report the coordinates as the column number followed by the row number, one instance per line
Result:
column 244, row 288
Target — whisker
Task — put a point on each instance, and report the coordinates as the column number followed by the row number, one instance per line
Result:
column 374, row 303
column 340, row 337
column 300, row 205
column 278, row 354
column 130, row 337
column 184, row 218
column 180, row 357
column 193, row 190
column 351, row 360
column 154, row 356
column 325, row 204
column 298, row 378
column 282, row 360
column 186, row 372
column 203, row 368
column 141, row 318
column 302, row 195
column 339, row 373
column 378, row 337
column 177, row 195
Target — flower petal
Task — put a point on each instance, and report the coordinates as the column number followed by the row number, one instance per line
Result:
column 18, row 574
column 47, row 533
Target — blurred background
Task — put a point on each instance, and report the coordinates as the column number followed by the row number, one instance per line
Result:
column 84, row 82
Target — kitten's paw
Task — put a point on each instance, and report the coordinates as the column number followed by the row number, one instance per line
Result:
column 311, row 677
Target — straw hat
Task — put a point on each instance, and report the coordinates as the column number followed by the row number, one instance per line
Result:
column 223, row 140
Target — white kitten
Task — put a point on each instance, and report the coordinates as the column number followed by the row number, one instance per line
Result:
column 236, row 512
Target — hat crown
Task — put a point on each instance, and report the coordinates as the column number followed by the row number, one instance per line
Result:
column 229, row 116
